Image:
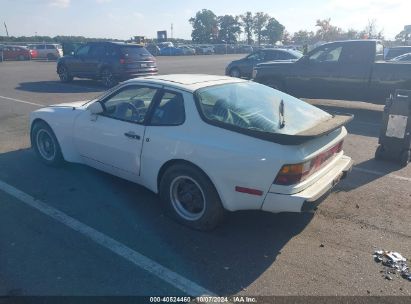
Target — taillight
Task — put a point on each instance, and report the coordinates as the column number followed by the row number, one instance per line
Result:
column 122, row 61
column 295, row 173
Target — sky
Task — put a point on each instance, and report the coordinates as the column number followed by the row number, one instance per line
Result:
column 122, row 19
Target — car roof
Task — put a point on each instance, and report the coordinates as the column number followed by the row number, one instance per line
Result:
column 187, row 82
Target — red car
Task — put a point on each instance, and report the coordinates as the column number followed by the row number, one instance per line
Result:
column 13, row 52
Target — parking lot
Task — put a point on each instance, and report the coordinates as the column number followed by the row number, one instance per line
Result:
column 106, row 236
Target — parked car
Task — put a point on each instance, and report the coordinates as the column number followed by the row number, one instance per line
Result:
column 108, row 61
column 15, row 52
column 404, row 57
column 204, row 50
column 244, row 67
column 1, row 52
column 171, row 51
column 187, row 50
column 153, row 49
column 346, row 70
column 204, row 143
column 246, row 49
column 396, row 51
column 165, row 44
column 50, row 51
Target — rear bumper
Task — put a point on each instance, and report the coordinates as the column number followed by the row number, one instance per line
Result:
column 308, row 199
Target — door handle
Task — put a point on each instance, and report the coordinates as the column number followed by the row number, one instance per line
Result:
column 132, row 135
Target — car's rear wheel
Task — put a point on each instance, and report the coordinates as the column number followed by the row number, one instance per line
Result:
column 108, row 78
column 190, row 197
column 234, row 72
column 45, row 144
column 64, row 74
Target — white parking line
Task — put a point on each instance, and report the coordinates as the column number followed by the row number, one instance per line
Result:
column 23, row 101
column 118, row 248
column 382, row 174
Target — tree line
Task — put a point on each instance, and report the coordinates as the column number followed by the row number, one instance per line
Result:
column 210, row 28
column 262, row 28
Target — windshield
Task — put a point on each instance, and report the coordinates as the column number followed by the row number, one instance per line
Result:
column 252, row 106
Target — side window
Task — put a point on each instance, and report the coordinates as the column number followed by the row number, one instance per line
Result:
column 40, row 47
column 50, row 47
column 170, row 110
column 272, row 56
column 83, row 51
column 326, row 54
column 111, row 51
column 98, row 50
column 284, row 56
column 129, row 104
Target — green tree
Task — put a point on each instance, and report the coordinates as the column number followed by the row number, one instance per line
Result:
column 328, row 32
column 260, row 21
column 248, row 24
column 303, row 37
column 205, row 27
column 230, row 27
column 273, row 31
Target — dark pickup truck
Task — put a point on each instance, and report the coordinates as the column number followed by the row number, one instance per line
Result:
column 347, row 70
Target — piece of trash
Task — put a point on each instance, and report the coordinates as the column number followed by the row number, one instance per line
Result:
column 393, row 263
column 322, row 245
column 357, row 206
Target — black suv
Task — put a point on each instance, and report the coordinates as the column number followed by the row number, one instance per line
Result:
column 108, row 61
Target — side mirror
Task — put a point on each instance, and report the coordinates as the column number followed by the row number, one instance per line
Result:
column 96, row 108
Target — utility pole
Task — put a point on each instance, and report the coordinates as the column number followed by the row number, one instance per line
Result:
column 5, row 26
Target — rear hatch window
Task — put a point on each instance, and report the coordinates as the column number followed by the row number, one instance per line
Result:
column 135, row 53
column 252, row 106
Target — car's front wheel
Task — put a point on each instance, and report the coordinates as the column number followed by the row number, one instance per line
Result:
column 45, row 144
column 234, row 72
column 190, row 197
column 64, row 74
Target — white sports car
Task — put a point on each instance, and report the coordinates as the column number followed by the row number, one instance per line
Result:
column 205, row 143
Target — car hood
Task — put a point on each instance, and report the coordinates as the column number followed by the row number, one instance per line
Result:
column 75, row 104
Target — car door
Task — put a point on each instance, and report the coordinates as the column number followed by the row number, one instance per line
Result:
column 252, row 60
column 78, row 64
column 165, row 133
column 112, row 141
column 317, row 74
column 95, row 58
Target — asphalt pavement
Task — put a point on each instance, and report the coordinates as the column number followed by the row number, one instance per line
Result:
column 123, row 228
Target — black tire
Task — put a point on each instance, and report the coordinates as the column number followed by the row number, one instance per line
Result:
column 183, row 182
column 234, row 72
column 379, row 153
column 45, row 144
column 108, row 78
column 405, row 158
column 64, row 73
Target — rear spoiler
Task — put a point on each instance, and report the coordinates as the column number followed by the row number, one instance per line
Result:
column 327, row 126
column 321, row 129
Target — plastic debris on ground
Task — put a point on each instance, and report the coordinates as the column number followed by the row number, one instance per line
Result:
column 394, row 263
